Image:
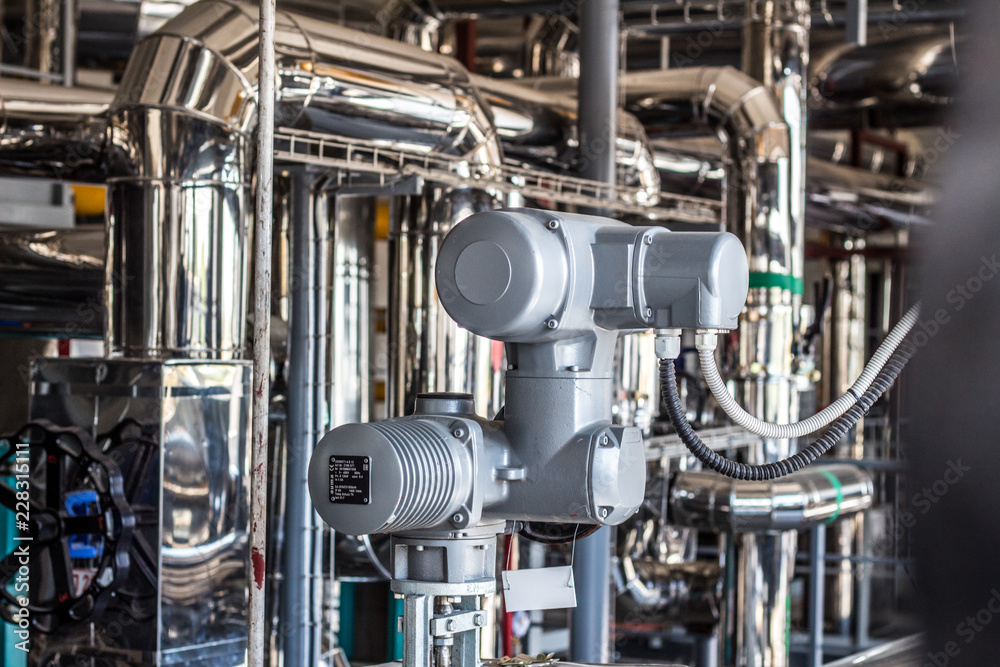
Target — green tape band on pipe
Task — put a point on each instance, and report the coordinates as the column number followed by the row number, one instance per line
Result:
column 768, row 280
column 840, row 494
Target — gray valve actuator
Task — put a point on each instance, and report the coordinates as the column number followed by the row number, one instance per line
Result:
column 557, row 289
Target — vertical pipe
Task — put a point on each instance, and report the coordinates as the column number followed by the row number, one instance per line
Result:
column 598, row 114
column 775, row 52
column 849, row 335
column 261, row 332
column 69, row 28
column 857, row 22
column 706, row 651
column 817, row 558
column 296, row 603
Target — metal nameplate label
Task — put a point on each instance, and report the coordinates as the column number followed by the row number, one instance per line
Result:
column 350, row 480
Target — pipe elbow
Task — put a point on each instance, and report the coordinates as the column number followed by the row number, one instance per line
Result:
column 723, row 98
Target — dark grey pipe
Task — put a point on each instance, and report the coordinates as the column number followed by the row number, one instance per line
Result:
column 296, row 599
column 598, row 113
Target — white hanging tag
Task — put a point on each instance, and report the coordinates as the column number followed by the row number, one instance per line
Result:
column 539, row 588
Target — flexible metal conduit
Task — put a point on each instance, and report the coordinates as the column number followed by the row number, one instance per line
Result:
column 814, row 495
column 180, row 156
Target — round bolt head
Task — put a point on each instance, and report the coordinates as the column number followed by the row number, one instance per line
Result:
column 604, row 512
column 649, row 312
column 604, row 440
column 552, row 323
column 647, row 239
column 458, row 433
column 552, row 224
column 573, row 369
column 458, row 517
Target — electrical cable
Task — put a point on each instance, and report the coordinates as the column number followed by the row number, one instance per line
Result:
column 745, row 471
column 729, row 405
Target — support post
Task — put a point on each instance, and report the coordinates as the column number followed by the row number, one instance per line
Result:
column 598, row 129
column 261, row 334
column 817, row 583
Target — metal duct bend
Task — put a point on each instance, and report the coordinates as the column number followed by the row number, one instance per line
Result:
column 181, row 132
column 52, row 132
column 917, row 69
column 813, row 495
column 539, row 128
column 745, row 115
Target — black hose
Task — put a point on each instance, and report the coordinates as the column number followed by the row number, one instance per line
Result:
column 831, row 436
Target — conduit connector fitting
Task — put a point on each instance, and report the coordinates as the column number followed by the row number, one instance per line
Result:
column 667, row 343
column 706, row 339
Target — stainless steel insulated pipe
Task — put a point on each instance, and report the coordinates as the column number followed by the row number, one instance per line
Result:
column 756, row 147
column 814, row 495
column 180, row 156
column 52, row 282
column 539, row 129
column 53, row 132
column 776, row 53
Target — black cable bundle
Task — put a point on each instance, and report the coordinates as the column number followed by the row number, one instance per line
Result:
column 831, row 436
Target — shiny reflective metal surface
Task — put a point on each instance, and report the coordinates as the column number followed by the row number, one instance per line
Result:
column 915, row 69
column 817, row 494
column 775, row 52
column 52, row 131
column 52, row 283
column 904, row 652
column 691, row 166
column 845, row 358
column 539, row 129
column 187, row 598
column 637, row 385
column 327, row 273
column 428, row 351
column 857, row 202
column 181, row 123
column 757, row 146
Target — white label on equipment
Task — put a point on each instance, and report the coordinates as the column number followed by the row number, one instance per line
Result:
column 82, row 578
column 539, row 588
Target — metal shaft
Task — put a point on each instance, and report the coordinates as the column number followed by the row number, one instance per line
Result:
column 598, row 109
column 261, row 332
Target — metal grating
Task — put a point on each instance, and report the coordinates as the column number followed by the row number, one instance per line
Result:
column 388, row 163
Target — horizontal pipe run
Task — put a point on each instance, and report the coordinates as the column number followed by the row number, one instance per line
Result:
column 812, row 496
